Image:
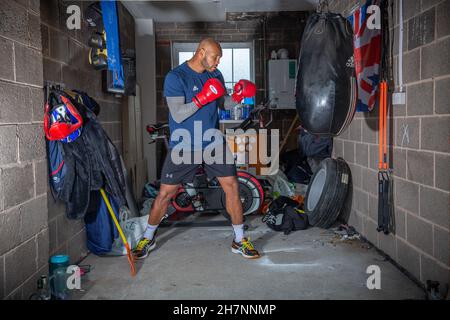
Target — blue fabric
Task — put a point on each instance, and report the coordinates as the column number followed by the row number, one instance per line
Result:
column 100, row 228
column 57, row 166
column 182, row 81
column 109, row 13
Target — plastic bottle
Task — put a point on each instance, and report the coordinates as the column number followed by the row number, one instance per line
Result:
column 58, row 276
column 44, row 292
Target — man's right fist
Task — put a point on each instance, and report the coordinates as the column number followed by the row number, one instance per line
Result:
column 212, row 90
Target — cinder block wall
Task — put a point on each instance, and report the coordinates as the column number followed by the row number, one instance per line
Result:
column 35, row 45
column 268, row 31
column 23, row 190
column 418, row 146
column 65, row 60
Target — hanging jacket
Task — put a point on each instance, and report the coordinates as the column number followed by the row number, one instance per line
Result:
column 92, row 162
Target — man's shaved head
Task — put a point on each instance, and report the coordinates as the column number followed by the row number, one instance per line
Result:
column 209, row 44
column 207, row 56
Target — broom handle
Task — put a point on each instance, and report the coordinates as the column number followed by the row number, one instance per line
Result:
column 111, row 212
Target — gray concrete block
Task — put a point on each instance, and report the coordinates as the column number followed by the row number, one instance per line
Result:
column 420, row 99
column 373, row 207
column 434, row 206
column 356, row 175
column 6, row 58
column 78, row 55
column 34, row 217
column 45, row 41
column 408, row 257
column 436, row 59
column 355, row 130
column 55, row 208
column 2, row 277
column 35, row 6
column 388, row 244
column 370, row 181
column 406, row 195
column 373, row 157
column 411, row 66
column 10, row 221
column 426, row 4
column 29, row 287
column 28, row 65
column 421, row 29
column 20, row 264
column 77, row 247
column 43, row 248
column 398, row 163
column 362, row 154
column 41, row 177
column 370, row 130
column 370, row 231
column 59, row 46
column 349, row 151
column 14, row 21
column 31, row 142
column 71, row 76
column 432, row 270
column 407, row 133
column 420, row 166
column 15, row 295
column 53, row 243
column 52, row 70
column 434, row 133
column 442, row 19
column 14, row 103
column 338, row 148
column 410, row 9
column 441, row 245
column 442, row 98
column 400, row 223
column 50, row 12
column 442, row 171
column 355, row 220
column 8, row 144
column 37, row 98
column 419, row 233
column 17, row 184
column 361, row 201
column 34, row 31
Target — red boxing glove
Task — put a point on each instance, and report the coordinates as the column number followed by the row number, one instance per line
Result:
column 243, row 89
column 212, row 90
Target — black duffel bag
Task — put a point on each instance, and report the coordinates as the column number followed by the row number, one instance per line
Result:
column 326, row 92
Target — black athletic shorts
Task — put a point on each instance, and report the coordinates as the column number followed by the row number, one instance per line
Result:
column 174, row 174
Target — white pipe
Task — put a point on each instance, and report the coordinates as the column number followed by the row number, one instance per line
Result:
column 400, row 46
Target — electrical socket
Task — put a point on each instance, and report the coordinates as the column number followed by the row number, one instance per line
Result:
column 399, row 98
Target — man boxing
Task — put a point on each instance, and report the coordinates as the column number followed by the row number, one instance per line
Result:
column 194, row 90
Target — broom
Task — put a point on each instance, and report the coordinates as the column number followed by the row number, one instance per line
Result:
column 111, row 212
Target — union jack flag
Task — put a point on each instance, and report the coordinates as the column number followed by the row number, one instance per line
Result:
column 367, row 55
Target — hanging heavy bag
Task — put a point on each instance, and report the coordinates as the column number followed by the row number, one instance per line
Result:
column 326, row 84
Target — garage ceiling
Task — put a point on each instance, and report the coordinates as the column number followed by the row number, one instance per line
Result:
column 209, row 10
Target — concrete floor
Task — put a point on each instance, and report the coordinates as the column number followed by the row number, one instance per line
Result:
column 197, row 263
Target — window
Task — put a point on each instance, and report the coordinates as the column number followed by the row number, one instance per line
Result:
column 237, row 60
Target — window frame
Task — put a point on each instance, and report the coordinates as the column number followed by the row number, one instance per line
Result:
column 192, row 46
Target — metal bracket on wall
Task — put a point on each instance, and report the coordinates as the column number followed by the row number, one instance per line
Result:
column 48, row 85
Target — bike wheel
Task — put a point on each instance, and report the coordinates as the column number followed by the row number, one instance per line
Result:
column 250, row 192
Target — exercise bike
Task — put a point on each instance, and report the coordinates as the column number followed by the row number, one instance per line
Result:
column 204, row 194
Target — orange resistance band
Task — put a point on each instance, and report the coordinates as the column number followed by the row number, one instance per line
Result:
column 382, row 151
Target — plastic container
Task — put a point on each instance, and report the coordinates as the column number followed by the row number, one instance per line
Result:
column 58, row 277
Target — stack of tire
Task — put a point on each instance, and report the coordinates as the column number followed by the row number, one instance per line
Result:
column 327, row 192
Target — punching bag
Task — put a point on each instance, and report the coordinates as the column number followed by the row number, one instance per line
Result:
column 326, row 92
